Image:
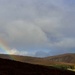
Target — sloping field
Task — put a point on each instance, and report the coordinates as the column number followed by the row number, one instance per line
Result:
column 10, row 67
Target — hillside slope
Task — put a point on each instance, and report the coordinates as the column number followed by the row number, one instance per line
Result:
column 10, row 67
column 67, row 58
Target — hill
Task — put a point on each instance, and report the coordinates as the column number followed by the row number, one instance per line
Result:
column 11, row 67
column 48, row 61
column 66, row 58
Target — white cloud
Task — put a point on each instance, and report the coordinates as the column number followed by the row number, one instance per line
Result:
column 17, row 52
column 13, row 51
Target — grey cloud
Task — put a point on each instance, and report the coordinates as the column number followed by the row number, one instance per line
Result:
column 37, row 23
column 65, row 44
column 24, row 33
column 41, row 54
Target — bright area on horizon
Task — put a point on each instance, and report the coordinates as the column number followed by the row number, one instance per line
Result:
column 37, row 27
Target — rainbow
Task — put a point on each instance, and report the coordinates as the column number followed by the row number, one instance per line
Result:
column 4, row 46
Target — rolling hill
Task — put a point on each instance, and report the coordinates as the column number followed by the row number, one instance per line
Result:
column 66, row 59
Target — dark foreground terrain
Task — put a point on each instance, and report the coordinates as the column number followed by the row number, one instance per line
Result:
column 10, row 67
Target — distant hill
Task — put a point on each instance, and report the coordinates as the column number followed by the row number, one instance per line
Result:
column 11, row 67
column 66, row 58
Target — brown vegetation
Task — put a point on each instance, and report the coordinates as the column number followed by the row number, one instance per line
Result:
column 66, row 59
column 11, row 67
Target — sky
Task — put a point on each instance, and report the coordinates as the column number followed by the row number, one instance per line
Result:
column 38, row 27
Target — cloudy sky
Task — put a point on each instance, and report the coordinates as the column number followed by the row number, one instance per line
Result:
column 38, row 27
